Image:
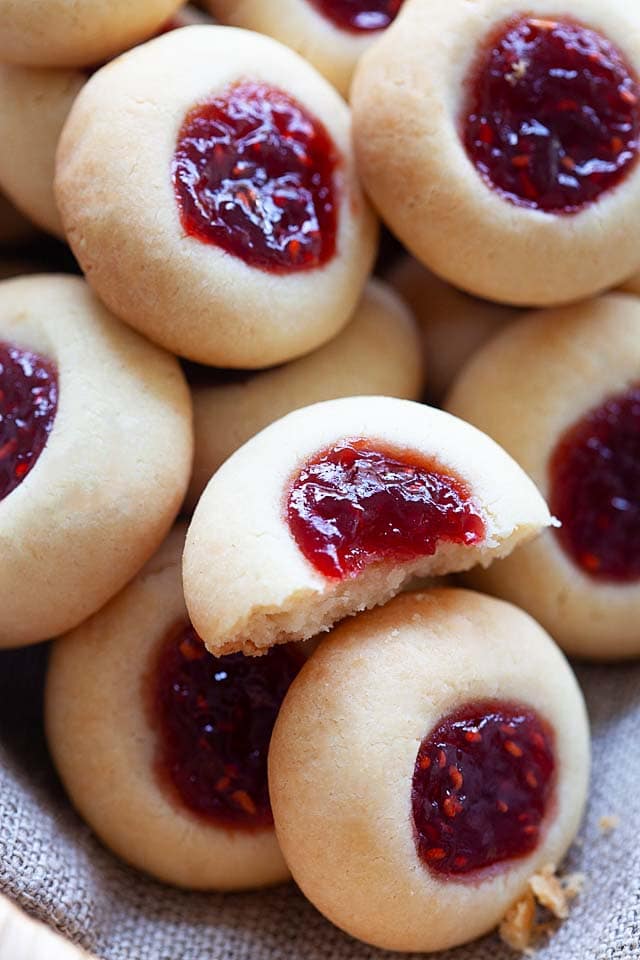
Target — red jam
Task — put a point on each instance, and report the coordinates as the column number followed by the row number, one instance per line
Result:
column 359, row 16
column 553, row 115
column 354, row 505
column 253, row 174
column 482, row 785
column 214, row 718
column 28, row 405
column 595, row 489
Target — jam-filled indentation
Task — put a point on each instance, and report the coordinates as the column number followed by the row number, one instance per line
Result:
column 358, row 503
column 255, row 174
column 552, row 119
column 359, row 16
column 595, row 489
column 482, row 785
column 28, row 406
column 213, row 717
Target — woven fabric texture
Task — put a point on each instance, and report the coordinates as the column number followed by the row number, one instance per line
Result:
column 53, row 867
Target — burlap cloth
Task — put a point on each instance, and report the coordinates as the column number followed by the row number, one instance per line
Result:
column 54, row 868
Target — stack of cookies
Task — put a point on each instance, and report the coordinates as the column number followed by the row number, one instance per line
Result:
column 310, row 542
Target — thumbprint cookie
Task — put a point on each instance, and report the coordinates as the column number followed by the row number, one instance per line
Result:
column 430, row 757
column 500, row 143
column 163, row 748
column 330, row 34
column 335, row 507
column 95, row 453
column 238, row 236
column 378, row 352
column 560, row 390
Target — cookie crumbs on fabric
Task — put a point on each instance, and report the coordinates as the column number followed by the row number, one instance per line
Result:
column 608, row 823
column 516, row 929
column 519, row 929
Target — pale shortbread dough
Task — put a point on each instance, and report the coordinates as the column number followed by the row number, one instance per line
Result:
column 525, row 389
column 248, row 585
column 122, row 219
column 332, row 51
column 407, row 96
column 110, row 480
column 344, row 749
column 76, row 33
column 378, row 352
column 104, row 747
column 34, row 104
column 452, row 324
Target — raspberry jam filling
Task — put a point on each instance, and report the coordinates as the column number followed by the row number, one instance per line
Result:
column 28, row 405
column 254, row 174
column 595, row 489
column 482, row 785
column 354, row 505
column 359, row 16
column 214, row 717
column 552, row 119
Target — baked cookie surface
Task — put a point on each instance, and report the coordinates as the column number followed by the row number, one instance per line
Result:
column 333, row 508
column 536, row 209
column 330, row 34
column 558, row 389
column 389, row 746
column 76, row 33
column 256, row 258
column 144, row 765
column 452, row 324
column 95, row 454
column 378, row 352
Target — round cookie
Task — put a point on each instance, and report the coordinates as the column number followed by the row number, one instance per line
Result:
column 111, row 725
column 501, row 147
column 452, row 324
column 253, row 261
column 330, row 34
column 76, row 33
column 34, row 104
column 95, row 453
column 335, row 507
column 396, row 752
column 558, row 389
column 378, row 352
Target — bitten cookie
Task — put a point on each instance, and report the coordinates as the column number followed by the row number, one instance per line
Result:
column 452, row 324
column 95, row 453
column 34, row 104
column 430, row 757
column 378, row 352
column 335, row 507
column 501, row 145
column 239, row 236
column 330, row 34
column 161, row 747
column 560, row 390
column 76, row 33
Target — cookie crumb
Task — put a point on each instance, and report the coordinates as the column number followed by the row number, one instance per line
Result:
column 608, row 823
column 548, row 891
column 519, row 928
